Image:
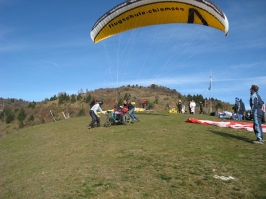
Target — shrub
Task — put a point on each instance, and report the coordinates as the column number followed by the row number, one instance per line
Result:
column 79, row 97
column 82, row 112
column 10, row 117
column 73, row 99
column 21, row 115
column 31, row 118
column 88, row 98
column 21, row 124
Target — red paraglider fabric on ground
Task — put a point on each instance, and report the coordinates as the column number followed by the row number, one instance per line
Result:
column 229, row 124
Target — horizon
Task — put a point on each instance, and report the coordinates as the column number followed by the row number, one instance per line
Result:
column 86, row 92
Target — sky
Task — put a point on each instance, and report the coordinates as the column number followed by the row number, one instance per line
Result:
column 45, row 49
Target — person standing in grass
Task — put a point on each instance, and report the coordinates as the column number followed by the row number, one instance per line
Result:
column 237, row 107
column 179, row 106
column 201, row 108
column 131, row 108
column 256, row 109
column 94, row 115
column 193, row 107
column 241, row 110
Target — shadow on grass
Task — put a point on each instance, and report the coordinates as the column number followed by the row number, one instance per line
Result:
column 154, row 114
column 228, row 135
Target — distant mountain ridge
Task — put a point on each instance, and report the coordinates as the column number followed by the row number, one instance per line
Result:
column 58, row 107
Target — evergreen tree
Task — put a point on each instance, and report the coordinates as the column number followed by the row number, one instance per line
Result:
column 64, row 96
column 79, row 97
column 156, row 100
column 10, row 117
column 88, row 98
column 60, row 101
column 189, row 97
column 153, row 86
column 31, row 118
column 32, row 105
column 218, row 105
column 127, row 97
column 73, row 98
column 21, row 124
column 2, row 115
column 53, row 98
column 149, row 104
column 21, row 115
column 120, row 102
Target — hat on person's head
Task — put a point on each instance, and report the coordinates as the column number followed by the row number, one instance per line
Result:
column 237, row 98
column 100, row 102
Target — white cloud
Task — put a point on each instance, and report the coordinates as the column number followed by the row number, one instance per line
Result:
column 52, row 63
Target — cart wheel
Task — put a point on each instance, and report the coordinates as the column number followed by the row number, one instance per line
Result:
column 126, row 119
column 108, row 122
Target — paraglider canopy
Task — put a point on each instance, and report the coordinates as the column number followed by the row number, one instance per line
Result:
column 139, row 13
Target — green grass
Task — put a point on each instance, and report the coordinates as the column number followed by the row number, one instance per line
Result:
column 160, row 157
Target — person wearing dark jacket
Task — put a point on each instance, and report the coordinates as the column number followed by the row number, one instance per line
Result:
column 237, row 108
column 179, row 106
column 241, row 110
column 201, row 108
column 256, row 110
column 131, row 109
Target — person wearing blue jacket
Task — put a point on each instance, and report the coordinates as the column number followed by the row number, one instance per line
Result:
column 256, row 110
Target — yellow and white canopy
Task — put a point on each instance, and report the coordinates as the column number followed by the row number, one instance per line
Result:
column 139, row 13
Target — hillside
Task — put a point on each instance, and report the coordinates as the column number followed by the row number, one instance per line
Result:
column 34, row 113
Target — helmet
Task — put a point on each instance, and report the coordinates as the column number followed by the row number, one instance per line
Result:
column 237, row 98
column 100, row 102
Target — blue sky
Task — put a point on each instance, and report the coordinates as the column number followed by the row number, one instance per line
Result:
column 45, row 48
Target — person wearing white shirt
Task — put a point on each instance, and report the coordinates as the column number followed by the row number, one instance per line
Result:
column 94, row 115
column 192, row 107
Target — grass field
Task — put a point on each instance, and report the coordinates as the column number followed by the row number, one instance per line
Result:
column 160, row 157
